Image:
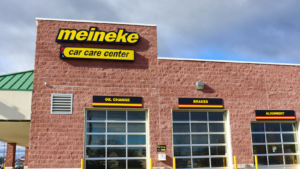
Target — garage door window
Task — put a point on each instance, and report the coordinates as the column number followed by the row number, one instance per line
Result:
column 199, row 139
column 275, row 143
column 115, row 139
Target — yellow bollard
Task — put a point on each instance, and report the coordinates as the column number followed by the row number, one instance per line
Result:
column 4, row 166
column 82, row 163
column 234, row 159
column 151, row 163
column 174, row 163
column 256, row 162
column 293, row 159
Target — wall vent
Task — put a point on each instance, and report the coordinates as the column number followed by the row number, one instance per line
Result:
column 61, row 103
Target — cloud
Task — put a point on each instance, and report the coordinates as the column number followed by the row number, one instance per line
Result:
column 208, row 29
column 2, row 144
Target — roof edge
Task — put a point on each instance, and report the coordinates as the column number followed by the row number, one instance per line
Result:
column 23, row 90
column 228, row 61
column 17, row 72
column 71, row 20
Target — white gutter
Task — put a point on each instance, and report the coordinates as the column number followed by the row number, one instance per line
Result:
column 70, row 20
column 227, row 61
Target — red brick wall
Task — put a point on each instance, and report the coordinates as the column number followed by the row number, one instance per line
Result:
column 26, row 156
column 56, row 141
column 10, row 155
column 244, row 88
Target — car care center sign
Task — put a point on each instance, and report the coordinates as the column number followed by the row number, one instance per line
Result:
column 95, row 36
column 117, row 101
column 275, row 114
column 96, row 53
column 200, row 103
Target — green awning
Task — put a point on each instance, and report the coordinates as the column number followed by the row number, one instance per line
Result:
column 17, row 81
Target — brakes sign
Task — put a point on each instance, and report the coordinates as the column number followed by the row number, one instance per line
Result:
column 96, row 53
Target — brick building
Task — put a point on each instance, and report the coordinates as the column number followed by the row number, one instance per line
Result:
column 116, row 113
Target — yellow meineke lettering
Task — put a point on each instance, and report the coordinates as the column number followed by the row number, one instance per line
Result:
column 97, row 38
column 121, row 37
column 66, row 34
column 93, row 35
column 110, row 37
column 133, row 38
column 81, row 35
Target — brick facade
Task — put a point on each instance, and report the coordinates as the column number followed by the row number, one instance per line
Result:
column 56, row 141
column 10, row 155
column 26, row 156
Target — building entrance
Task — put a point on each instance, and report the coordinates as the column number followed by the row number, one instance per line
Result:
column 115, row 139
column 199, row 139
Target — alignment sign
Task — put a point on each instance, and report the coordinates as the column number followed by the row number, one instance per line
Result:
column 96, row 53
column 275, row 114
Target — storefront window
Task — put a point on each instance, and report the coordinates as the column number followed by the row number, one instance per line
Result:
column 199, row 139
column 115, row 139
column 275, row 143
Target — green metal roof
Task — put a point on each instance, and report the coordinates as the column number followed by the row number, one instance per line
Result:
column 17, row 81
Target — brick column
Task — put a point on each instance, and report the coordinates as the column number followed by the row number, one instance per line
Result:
column 26, row 158
column 10, row 156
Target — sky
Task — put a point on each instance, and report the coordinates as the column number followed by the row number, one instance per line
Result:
column 20, row 151
column 237, row 30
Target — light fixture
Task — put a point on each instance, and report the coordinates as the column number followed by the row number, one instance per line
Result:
column 199, row 85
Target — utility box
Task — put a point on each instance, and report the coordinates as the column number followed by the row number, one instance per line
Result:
column 161, row 157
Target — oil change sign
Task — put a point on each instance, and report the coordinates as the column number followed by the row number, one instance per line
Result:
column 117, row 101
column 96, row 53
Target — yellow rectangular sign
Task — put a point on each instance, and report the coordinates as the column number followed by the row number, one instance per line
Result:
column 96, row 53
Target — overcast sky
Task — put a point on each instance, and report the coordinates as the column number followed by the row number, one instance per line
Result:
column 240, row 30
